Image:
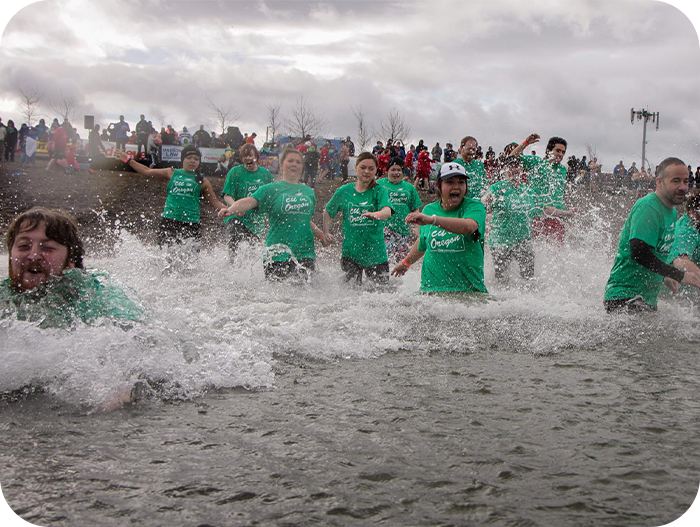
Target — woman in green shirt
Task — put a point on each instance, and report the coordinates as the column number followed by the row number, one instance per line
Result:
column 289, row 206
column 241, row 182
column 364, row 205
column 186, row 185
column 510, row 236
column 451, row 237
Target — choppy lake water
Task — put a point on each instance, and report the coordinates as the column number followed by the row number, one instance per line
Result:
column 324, row 404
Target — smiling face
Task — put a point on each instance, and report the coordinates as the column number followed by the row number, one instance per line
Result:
column 672, row 186
column 35, row 259
column 452, row 192
column 249, row 156
column 395, row 173
column 556, row 154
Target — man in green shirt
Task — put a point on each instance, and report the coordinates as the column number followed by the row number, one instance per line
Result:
column 241, row 182
column 47, row 282
column 645, row 244
column 478, row 179
column 546, row 184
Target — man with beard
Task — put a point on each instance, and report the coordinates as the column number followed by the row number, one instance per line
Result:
column 48, row 283
column 645, row 246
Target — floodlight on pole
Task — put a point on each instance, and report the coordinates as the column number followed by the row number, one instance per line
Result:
column 647, row 116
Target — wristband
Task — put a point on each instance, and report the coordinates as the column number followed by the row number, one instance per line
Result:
column 525, row 143
column 405, row 263
column 320, row 237
column 128, row 158
column 434, row 222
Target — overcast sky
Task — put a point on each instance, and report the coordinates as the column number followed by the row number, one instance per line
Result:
column 495, row 69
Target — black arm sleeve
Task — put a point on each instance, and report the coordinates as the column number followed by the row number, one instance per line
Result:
column 643, row 254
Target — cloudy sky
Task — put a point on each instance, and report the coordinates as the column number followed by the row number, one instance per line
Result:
column 495, row 69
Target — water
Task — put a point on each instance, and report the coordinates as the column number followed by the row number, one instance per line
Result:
column 334, row 405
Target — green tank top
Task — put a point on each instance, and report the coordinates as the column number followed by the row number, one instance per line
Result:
column 182, row 203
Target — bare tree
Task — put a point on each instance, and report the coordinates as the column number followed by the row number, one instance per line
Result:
column 395, row 127
column 364, row 135
column 65, row 106
column 591, row 149
column 161, row 119
column 223, row 114
column 304, row 120
column 31, row 98
column 274, row 120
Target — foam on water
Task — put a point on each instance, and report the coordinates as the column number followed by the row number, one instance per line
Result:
column 218, row 325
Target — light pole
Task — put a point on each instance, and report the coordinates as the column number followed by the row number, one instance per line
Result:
column 646, row 116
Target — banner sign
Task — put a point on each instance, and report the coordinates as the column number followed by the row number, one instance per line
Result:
column 270, row 161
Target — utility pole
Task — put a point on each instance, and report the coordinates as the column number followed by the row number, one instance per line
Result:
column 646, row 116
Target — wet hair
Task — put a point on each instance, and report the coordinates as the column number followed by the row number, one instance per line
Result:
column 669, row 161
column 556, row 141
column 60, row 227
column 467, row 138
column 365, row 156
column 249, row 146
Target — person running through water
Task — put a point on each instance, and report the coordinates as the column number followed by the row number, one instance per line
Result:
column 547, row 182
column 289, row 205
column 685, row 253
column 404, row 198
column 451, row 237
column 241, row 182
column 645, row 245
column 510, row 236
column 180, row 221
column 364, row 206
column 478, row 178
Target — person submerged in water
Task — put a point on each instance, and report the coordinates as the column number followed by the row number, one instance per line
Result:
column 451, row 237
column 48, row 282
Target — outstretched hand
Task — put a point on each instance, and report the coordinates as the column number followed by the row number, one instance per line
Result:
column 532, row 139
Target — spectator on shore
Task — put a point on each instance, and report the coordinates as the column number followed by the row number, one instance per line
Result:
column 378, row 148
column 449, row 153
column 251, row 139
column 201, row 137
column 10, row 141
column 344, row 159
column 152, row 144
column 350, row 145
column 96, row 149
column 216, row 141
column 121, row 132
column 620, row 173
column 437, row 152
column 185, row 137
column 42, row 131
column 60, row 143
column 143, row 130
column 3, row 132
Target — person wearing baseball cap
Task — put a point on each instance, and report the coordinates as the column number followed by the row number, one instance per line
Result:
column 451, row 237
column 180, row 219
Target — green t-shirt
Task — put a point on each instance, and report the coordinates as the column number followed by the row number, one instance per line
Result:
column 242, row 183
column 687, row 240
column 77, row 295
column 182, row 203
column 511, row 214
column 404, row 199
column 363, row 237
column 654, row 223
column 289, row 208
column 453, row 262
column 478, row 179
column 546, row 184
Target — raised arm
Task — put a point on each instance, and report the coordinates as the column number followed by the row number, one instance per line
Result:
column 161, row 173
column 529, row 140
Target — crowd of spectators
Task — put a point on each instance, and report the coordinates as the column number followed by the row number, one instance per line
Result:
column 328, row 161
